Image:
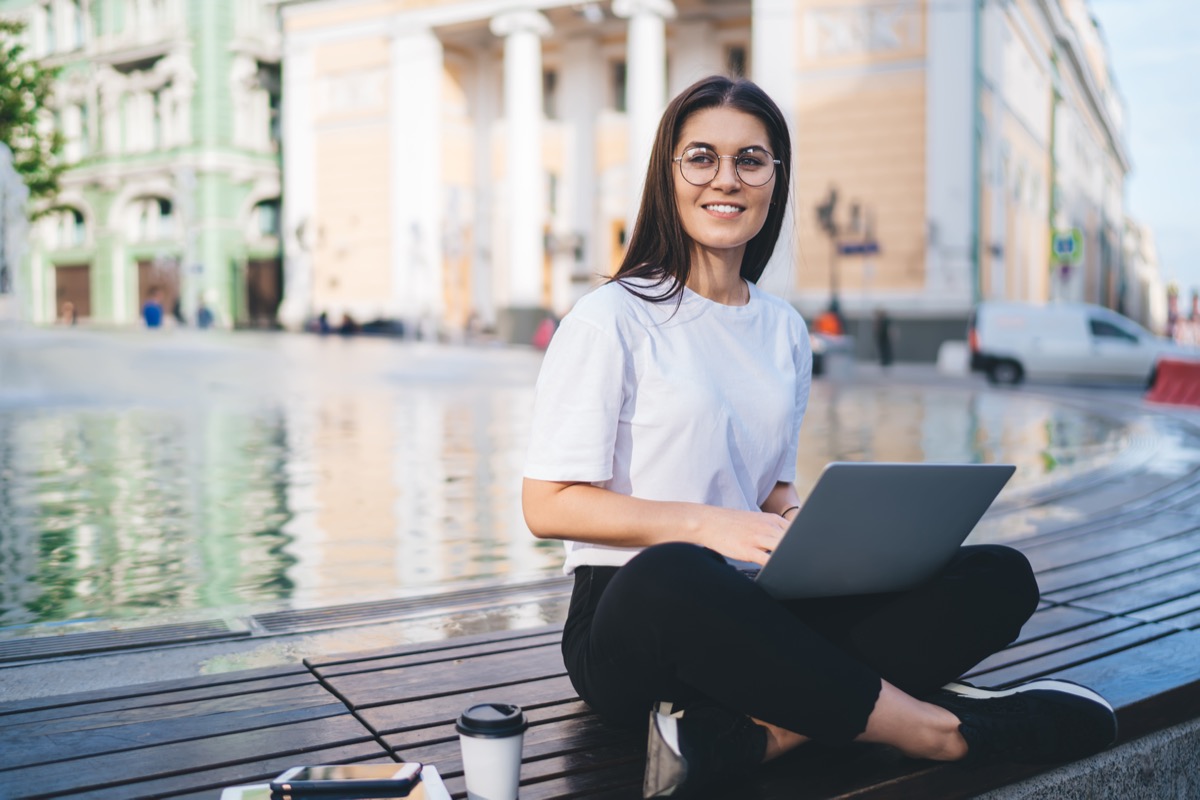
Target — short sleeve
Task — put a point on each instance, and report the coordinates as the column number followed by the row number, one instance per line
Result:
column 802, row 359
column 577, row 404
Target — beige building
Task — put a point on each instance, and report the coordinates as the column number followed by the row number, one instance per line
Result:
column 450, row 162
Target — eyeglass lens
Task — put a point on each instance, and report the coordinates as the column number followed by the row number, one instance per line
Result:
column 699, row 166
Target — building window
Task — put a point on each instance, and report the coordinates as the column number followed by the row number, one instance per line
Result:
column 158, row 104
column 50, row 39
column 150, row 219
column 550, row 94
column 618, row 85
column 275, row 124
column 75, row 9
column 78, row 228
column 735, row 61
column 64, row 229
column 267, row 218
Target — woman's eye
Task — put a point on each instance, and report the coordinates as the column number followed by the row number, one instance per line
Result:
column 751, row 161
column 700, row 158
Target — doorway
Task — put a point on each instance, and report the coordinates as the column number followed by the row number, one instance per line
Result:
column 73, row 284
column 264, row 290
column 161, row 274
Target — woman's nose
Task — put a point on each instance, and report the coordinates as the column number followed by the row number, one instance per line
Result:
column 726, row 177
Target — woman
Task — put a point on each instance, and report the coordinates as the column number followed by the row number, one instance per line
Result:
column 663, row 452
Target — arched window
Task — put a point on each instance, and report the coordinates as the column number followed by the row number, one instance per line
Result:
column 150, row 219
column 266, row 219
column 64, row 228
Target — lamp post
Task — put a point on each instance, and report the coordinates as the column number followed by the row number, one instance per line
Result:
column 825, row 219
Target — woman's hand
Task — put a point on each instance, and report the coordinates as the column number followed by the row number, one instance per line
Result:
column 587, row 513
column 742, row 535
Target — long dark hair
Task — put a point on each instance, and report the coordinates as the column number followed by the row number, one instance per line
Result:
column 659, row 249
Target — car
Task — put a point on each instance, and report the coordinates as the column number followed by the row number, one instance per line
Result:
column 832, row 354
column 1075, row 342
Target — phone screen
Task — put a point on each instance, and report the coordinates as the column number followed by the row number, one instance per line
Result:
column 352, row 772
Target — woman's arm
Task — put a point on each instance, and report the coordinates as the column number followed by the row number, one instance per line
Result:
column 586, row 513
column 783, row 498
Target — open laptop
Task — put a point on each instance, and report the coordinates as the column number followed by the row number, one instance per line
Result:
column 878, row 527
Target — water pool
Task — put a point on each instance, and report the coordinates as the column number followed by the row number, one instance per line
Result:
column 171, row 474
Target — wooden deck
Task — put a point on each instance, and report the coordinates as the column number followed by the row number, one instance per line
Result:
column 1120, row 612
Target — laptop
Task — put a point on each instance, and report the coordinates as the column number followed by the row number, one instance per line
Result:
column 879, row 527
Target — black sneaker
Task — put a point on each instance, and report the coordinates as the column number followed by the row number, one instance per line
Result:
column 690, row 750
column 1041, row 722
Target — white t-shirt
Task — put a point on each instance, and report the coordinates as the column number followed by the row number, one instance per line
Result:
column 701, row 404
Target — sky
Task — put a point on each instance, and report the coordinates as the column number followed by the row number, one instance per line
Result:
column 1154, row 49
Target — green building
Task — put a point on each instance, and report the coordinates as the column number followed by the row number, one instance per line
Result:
column 170, row 113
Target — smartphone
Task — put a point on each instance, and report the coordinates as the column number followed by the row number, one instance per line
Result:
column 347, row 780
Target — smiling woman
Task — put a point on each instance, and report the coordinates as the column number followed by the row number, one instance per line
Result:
column 663, row 453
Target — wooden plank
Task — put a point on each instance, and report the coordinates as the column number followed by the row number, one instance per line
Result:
column 1189, row 621
column 413, row 650
column 206, row 784
column 396, row 660
column 1158, row 556
column 1144, row 594
column 34, row 648
column 1091, row 544
column 574, row 767
column 185, row 758
column 1060, row 660
column 542, row 740
column 229, row 683
column 366, row 689
column 1153, row 686
column 1120, row 580
column 399, row 717
column 36, row 741
column 1051, row 620
column 1177, row 613
column 1047, row 647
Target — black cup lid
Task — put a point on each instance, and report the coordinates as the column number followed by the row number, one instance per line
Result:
column 492, row 720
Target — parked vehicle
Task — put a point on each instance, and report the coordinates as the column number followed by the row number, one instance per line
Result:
column 1012, row 342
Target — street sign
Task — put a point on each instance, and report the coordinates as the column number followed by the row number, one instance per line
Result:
column 1066, row 246
column 858, row 248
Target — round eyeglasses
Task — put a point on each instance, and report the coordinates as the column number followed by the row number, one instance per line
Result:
column 699, row 165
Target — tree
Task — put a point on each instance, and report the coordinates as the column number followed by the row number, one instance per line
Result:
column 25, row 90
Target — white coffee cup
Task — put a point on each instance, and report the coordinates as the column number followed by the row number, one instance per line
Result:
column 491, row 736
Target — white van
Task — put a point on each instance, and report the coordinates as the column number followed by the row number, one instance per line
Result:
column 1065, row 342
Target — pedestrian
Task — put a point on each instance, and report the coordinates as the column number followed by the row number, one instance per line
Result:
column 204, row 315
column 152, row 309
column 883, row 337
column 663, row 452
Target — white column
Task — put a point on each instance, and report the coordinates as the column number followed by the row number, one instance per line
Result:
column 486, row 289
column 524, row 176
column 645, row 84
column 695, row 54
column 581, row 96
column 773, row 40
column 415, row 109
column 299, row 201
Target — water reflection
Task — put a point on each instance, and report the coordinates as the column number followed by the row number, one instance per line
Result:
column 186, row 474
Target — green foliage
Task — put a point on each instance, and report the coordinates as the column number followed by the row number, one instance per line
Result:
column 25, row 89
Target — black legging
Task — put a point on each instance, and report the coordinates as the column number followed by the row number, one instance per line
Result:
column 677, row 622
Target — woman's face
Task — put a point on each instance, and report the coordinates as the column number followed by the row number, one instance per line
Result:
column 726, row 213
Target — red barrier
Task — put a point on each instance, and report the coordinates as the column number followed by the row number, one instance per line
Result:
column 1176, row 383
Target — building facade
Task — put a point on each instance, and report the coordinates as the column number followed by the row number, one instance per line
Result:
column 169, row 109
column 466, row 162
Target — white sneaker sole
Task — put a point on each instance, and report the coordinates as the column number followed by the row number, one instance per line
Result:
column 665, row 768
column 1045, row 684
